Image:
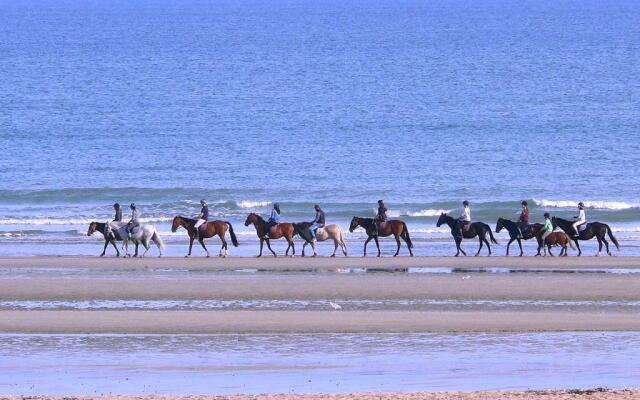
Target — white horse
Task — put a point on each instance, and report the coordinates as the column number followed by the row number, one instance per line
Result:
column 332, row 231
column 117, row 231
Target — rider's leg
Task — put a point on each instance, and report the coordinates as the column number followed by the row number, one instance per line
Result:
column 197, row 226
column 312, row 230
column 575, row 228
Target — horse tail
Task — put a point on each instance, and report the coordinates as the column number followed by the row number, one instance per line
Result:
column 158, row 240
column 493, row 240
column 405, row 234
column 234, row 239
column 613, row 238
column 573, row 247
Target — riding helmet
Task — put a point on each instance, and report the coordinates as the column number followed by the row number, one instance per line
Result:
column 380, row 202
column 203, row 202
column 524, row 203
column 581, row 205
column 465, row 203
column 133, row 205
column 116, row 205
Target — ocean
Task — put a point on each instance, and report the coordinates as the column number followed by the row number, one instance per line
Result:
column 245, row 103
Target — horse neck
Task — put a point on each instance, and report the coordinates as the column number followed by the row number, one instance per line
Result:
column 449, row 221
column 186, row 222
column 258, row 221
column 100, row 226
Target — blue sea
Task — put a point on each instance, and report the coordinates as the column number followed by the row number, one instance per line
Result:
column 244, row 103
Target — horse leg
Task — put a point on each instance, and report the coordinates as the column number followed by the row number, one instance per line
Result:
column 104, row 250
column 599, row 246
column 479, row 248
column 520, row 245
column 397, row 243
column 313, row 247
column 303, row 246
column 407, row 243
column 488, row 244
column 190, row 246
column 549, row 249
column 113, row 243
column 136, row 253
column 269, row 247
column 335, row 247
column 607, row 246
column 578, row 247
column 509, row 244
column 375, row 238
column 147, row 246
column 261, row 244
column 293, row 246
column 223, row 248
column 366, row 242
column 201, row 241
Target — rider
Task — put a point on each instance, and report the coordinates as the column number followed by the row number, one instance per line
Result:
column 579, row 219
column 523, row 221
column 464, row 218
column 118, row 216
column 201, row 218
column 381, row 216
column 318, row 221
column 274, row 219
column 134, row 221
column 547, row 229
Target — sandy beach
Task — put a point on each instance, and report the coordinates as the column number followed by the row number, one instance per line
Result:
column 600, row 394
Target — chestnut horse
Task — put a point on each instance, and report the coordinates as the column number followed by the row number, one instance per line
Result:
column 479, row 229
column 593, row 229
column 393, row 227
column 284, row 229
column 207, row 230
column 555, row 239
column 512, row 228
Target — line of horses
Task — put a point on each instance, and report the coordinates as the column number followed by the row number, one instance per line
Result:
column 145, row 234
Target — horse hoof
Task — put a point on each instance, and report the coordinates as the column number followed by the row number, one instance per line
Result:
column 314, row 255
column 102, row 255
column 333, row 255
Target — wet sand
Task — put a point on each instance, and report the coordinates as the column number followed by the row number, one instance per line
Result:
column 256, row 322
column 601, row 394
column 321, row 263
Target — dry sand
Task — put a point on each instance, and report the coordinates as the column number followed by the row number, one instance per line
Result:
column 600, row 394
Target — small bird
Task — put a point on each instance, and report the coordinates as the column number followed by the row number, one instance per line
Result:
column 466, row 277
column 335, row 306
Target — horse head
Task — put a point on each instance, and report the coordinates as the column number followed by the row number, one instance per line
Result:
column 499, row 225
column 93, row 226
column 442, row 219
column 355, row 221
column 252, row 218
column 177, row 222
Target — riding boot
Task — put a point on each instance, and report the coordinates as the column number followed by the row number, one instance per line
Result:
column 520, row 236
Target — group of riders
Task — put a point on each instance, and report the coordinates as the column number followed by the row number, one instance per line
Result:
column 380, row 219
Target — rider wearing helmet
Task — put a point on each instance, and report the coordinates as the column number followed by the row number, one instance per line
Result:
column 318, row 221
column 202, row 218
column 274, row 219
column 134, row 222
column 465, row 218
column 523, row 220
column 579, row 219
column 118, row 216
column 381, row 216
column 547, row 229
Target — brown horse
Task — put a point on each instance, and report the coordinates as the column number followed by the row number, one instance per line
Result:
column 284, row 229
column 556, row 239
column 210, row 229
column 393, row 227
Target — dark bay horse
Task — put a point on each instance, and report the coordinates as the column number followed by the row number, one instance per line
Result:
column 594, row 229
column 479, row 229
column 512, row 228
column 207, row 230
column 284, row 229
column 393, row 227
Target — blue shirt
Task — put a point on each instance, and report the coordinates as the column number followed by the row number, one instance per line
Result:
column 205, row 213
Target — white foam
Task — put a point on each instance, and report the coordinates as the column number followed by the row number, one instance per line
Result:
column 71, row 221
column 597, row 204
column 252, row 204
column 427, row 213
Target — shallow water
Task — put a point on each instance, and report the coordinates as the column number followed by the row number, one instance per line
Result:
column 219, row 364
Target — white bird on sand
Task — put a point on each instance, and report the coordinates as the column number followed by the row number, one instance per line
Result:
column 335, row 306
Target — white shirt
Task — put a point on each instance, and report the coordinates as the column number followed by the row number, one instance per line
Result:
column 581, row 216
column 466, row 214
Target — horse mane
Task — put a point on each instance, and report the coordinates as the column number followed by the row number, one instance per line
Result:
column 185, row 218
column 258, row 216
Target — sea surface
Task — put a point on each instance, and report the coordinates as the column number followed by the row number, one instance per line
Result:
column 245, row 103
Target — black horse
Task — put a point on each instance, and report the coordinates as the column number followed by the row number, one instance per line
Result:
column 479, row 229
column 512, row 228
column 593, row 229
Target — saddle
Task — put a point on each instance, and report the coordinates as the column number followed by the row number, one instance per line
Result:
column 272, row 229
column 382, row 225
column 202, row 228
column 583, row 226
column 466, row 226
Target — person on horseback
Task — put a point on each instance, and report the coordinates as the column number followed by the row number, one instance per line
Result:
column 465, row 218
column 523, row 220
column 274, row 219
column 134, row 222
column 380, row 217
column 318, row 221
column 579, row 219
column 202, row 218
column 118, row 216
column 547, row 229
